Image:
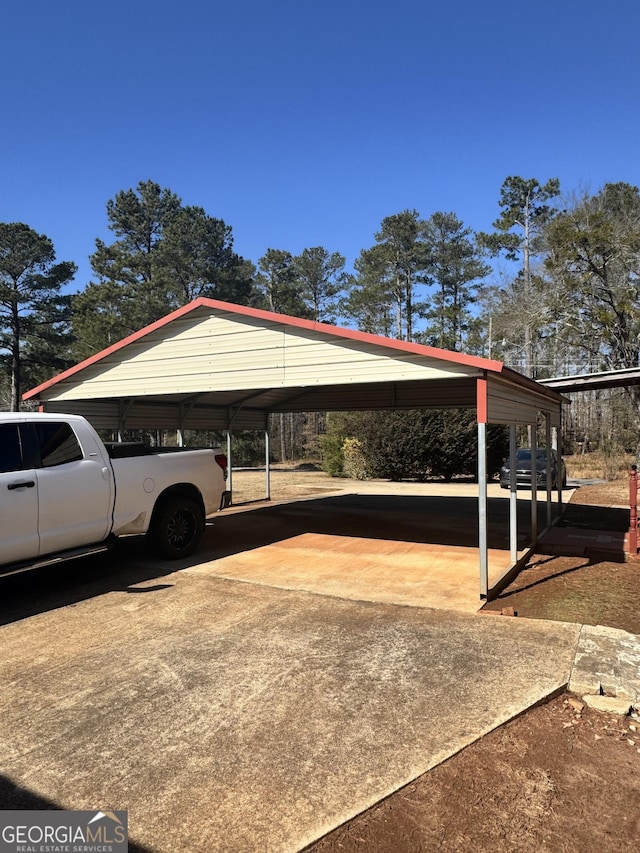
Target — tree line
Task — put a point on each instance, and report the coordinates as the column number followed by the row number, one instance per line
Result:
column 565, row 298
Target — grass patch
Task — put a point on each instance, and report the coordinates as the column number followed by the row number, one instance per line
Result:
column 599, row 465
column 286, row 483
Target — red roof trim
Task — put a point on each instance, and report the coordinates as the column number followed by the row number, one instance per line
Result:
column 284, row 319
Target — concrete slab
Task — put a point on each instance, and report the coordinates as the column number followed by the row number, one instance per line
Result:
column 413, row 573
column 408, row 543
column 229, row 716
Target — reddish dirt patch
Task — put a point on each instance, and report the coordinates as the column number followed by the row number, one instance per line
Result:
column 576, row 589
column 558, row 778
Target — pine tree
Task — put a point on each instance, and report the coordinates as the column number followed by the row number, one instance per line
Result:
column 34, row 313
column 164, row 255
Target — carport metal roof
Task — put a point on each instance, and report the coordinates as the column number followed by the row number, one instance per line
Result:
column 214, row 365
column 622, row 378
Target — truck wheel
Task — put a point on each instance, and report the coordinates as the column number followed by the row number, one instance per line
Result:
column 176, row 528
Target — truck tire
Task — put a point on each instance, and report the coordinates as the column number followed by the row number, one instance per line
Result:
column 176, row 528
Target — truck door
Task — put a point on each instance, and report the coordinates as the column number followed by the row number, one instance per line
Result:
column 18, row 499
column 75, row 490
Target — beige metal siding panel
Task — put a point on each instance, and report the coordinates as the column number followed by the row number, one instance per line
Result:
column 509, row 412
column 218, row 354
column 438, row 395
column 387, row 395
column 556, row 418
column 318, row 359
column 246, row 370
column 196, row 347
column 341, row 373
column 207, row 419
column 115, row 384
column 101, row 414
column 250, row 420
column 505, row 410
column 510, row 404
column 110, row 416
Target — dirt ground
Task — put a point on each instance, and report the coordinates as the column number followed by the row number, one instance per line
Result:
column 561, row 777
column 555, row 779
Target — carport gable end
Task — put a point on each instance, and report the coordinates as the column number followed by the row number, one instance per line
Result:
column 208, row 350
column 210, row 357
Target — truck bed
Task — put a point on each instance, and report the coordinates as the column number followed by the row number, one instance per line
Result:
column 128, row 449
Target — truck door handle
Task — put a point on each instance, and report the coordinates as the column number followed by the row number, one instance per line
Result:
column 28, row 484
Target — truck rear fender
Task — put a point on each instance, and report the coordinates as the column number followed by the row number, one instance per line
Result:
column 185, row 490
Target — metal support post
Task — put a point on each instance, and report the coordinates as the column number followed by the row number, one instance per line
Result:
column 267, row 467
column 513, row 495
column 229, row 466
column 549, row 485
column 482, row 510
column 534, row 484
column 633, row 510
column 557, row 446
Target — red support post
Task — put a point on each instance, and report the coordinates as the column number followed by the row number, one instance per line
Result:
column 633, row 510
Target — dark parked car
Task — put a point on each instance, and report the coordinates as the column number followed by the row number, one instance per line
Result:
column 523, row 469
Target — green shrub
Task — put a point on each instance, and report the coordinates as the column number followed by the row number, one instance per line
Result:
column 340, row 425
column 409, row 444
column 355, row 463
column 332, row 456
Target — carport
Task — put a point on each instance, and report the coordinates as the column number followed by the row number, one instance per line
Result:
column 212, row 365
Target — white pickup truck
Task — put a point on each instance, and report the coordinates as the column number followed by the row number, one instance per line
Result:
column 64, row 493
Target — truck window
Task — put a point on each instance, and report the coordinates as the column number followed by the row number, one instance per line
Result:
column 10, row 455
column 58, row 444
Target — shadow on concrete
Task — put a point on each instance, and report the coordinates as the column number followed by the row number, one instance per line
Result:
column 437, row 520
column 595, row 532
column 596, row 517
column 14, row 797
column 447, row 521
column 66, row 584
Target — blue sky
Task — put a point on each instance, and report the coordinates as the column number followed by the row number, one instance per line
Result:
column 304, row 124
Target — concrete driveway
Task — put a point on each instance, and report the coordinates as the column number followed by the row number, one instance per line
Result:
column 234, row 716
